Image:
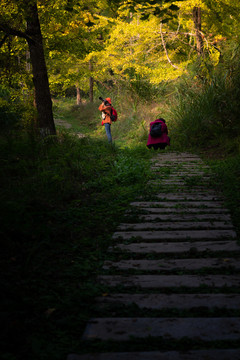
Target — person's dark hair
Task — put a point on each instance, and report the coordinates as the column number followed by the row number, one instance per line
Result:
column 162, row 119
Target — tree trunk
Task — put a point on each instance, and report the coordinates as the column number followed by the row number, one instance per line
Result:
column 90, row 83
column 79, row 100
column 198, row 24
column 40, row 76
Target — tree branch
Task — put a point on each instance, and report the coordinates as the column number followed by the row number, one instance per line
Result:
column 164, row 46
column 8, row 30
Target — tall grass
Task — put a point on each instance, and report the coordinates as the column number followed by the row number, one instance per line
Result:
column 205, row 108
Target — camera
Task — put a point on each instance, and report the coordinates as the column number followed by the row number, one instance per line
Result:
column 106, row 103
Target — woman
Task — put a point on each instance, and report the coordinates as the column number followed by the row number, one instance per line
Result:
column 160, row 140
column 105, row 108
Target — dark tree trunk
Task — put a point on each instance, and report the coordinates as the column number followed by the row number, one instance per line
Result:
column 90, row 83
column 39, row 69
column 198, row 24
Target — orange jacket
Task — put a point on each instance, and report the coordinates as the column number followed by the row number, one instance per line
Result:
column 107, row 112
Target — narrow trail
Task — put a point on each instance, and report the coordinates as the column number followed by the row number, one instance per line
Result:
column 172, row 278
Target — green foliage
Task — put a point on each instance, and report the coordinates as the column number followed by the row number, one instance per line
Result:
column 15, row 111
column 8, row 116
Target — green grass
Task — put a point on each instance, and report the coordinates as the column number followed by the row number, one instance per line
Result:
column 83, row 119
column 60, row 203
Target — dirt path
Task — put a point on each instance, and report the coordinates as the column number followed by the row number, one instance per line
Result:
column 172, row 278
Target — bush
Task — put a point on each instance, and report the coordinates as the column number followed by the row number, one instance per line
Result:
column 206, row 109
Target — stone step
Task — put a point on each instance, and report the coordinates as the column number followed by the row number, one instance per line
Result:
column 222, row 354
column 176, row 188
column 182, row 176
column 176, row 235
column 170, row 281
column 180, row 173
column 185, row 217
column 158, row 210
column 122, row 329
column 178, row 204
column 172, row 301
column 187, row 197
column 175, row 264
column 179, row 159
column 183, row 186
column 176, row 248
column 176, row 161
column 176, row 225
column 173, row 182
column 177, row 155
column 175, row 166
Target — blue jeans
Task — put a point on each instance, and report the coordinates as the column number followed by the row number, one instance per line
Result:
column 108, row 132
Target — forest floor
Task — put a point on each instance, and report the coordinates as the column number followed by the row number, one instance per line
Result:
column 170, row 281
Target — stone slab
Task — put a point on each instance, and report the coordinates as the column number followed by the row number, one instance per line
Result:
column 169, row 281
column 175, row 248
column 223, row 354
column 175, row 166
column 182, row 173
column 171, row 182
column 185, row 210
column 122, row 329
column 186, row 217
column 175, row 235
column 162, row 156
column 176, row 187
column 173, row 301
column 187, row 197
column 176, row 225
column 175, row 264
column 194, row 204
column 178, row 160
column 179, row 163
column 182, row 186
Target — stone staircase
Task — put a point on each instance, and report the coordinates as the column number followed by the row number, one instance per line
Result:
column 172, row 278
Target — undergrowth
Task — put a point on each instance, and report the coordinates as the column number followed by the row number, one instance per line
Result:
column 227, row 180
column 61, row 199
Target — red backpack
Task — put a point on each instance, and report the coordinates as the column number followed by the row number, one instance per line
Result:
column 113, row 115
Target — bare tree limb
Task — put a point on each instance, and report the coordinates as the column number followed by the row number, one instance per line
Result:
column 164, row 46
column 177, row 33
column 191, row 46
column 191, row 34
